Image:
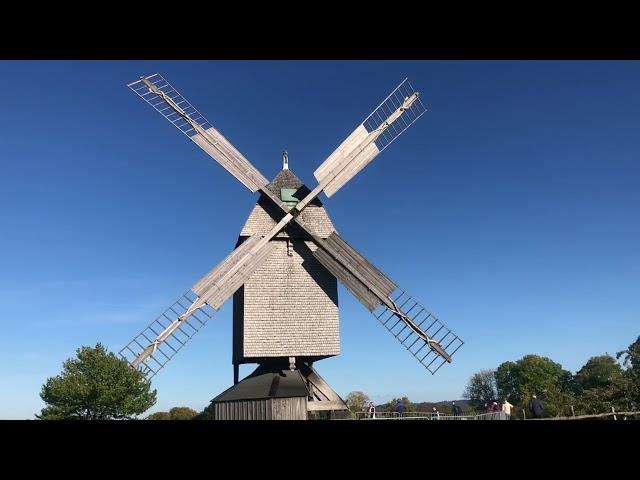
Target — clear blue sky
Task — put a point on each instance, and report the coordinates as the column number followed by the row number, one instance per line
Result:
column 510, row 209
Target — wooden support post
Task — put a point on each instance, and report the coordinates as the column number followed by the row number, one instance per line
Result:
column 614, row 411
column 524, row 414
column 573, row 414
column 236, row 373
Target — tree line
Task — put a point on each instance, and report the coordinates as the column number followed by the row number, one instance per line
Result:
column 358, row 402
column 602, row 383
column 97, row 385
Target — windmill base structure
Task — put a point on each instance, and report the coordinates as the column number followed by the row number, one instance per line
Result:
column 283, row 273
column 276, row 391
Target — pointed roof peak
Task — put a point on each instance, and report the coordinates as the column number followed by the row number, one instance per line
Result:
column 288, row 179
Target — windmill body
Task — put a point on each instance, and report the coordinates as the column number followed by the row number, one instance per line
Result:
column 289, row 306
column 283, row 273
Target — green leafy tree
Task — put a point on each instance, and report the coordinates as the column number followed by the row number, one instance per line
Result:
column 409, row 406
column 159, row 416
column 357, row 401
column 631, row 382
column 96, row 385
column 603, row 385
column 631, row 356
column 481, row 388
column 176, row 413
column 599, row 372
column 530, row 375
column 558, row 401
column 390, row 406
column 182, row 413
column 508, row 381
column 207, row 414
column 602, row 399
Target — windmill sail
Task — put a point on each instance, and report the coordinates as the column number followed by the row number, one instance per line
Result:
column 385, row 300
column 387, row 122
column 429, row 340
column 161, row 95
column 154, row 346
column 159, row 341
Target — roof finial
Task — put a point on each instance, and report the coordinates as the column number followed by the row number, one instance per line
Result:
column 285, row 160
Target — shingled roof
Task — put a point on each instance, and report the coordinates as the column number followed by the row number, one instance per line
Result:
column 264, row 382
column 265, row 215
column 287, row 179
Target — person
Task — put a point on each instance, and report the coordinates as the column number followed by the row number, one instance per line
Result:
column 536, row 407
column 372, row 410
column 456, row 411
column 400, row 408
column 435, row 414
column 506, row 408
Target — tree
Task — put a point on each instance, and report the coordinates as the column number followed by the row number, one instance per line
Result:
column 176, row 413
column 603, row 384
column 159, row 416
column 207, row 414
column 599, row 372
column 530, row 375
column 507, row 381
column 631, row 356
column 481, row 388
column 632, row 374
column 390, row 406
column 182, row 413
column 96, row 385
column 557, row 401
column 357, row 401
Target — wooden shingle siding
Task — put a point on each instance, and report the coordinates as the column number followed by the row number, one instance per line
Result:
column 290, row 306
column 261, row 223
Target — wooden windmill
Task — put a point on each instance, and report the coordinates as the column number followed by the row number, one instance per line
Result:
column 282, row 273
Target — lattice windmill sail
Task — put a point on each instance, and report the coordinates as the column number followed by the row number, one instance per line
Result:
column 283, row 271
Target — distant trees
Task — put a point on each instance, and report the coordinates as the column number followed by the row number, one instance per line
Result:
column 481, row 388
column 159, row 416
column 207, row 414
column 390, row 406
column 357, row 401
column 96, row 385
column 600, row 384
column 176, row 413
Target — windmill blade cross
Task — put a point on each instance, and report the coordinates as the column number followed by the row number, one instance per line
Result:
column 341, row 167
column 399, row 110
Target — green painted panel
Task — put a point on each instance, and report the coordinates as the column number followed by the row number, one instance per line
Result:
column 286, row 195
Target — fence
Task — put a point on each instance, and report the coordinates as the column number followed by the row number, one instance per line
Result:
column 488, row 416
column 428, row 416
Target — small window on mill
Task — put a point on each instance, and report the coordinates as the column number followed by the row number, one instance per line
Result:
column 286, row 195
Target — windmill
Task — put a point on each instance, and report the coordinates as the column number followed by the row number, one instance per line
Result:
column 283, row 272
